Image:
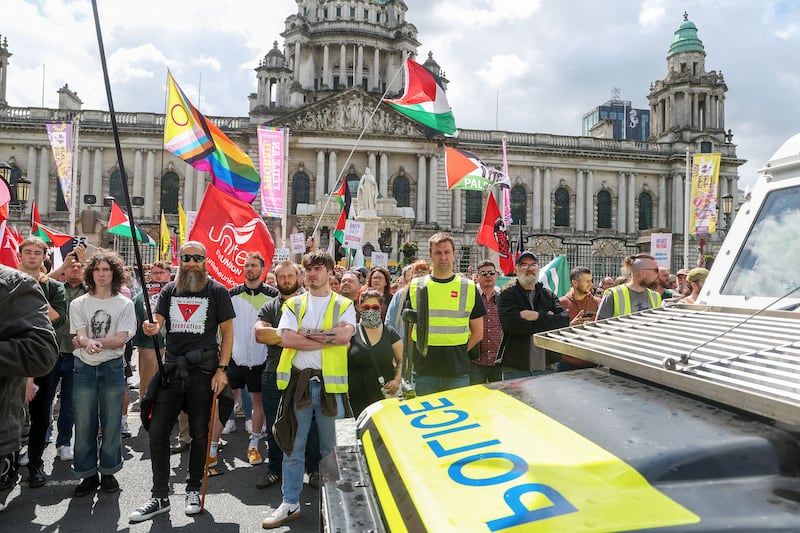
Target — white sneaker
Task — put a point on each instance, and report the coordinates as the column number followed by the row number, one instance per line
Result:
column 281, row 515
column 64, row 453
column 230, row 427
column 23, row 458
column 248, row 426
column 193, row 503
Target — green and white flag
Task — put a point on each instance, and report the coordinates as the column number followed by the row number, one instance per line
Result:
column 555, row 276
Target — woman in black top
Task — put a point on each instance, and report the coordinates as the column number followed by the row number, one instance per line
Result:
column 374, row 356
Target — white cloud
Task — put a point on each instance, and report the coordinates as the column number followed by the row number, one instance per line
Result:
column 502, row 70
column 651, row 13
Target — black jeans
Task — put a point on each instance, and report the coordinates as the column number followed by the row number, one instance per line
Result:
column 39, row 409
column 193, row 396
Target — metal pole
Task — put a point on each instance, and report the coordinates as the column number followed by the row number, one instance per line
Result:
column 687, row 205
column 76, row 197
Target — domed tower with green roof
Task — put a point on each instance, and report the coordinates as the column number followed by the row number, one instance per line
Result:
column 689, row 104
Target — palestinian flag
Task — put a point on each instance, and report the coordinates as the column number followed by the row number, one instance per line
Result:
column 345, row 202
column 47, row 235
column 465, row 171
column 424, row 100
column 120, row 224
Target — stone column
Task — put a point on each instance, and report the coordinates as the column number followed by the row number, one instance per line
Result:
column 458, row 218
column 343, row 66
column 359, row 73
column 433, row 189
column 672, row 115
column 422, row 189
column 332, row 171
column 707, row 111
column 297, row 68
column 631, row 197
column 590, row 200
column 376, row 70
column 31, row 169
column 43, row 189
column 137, row 173
column 536, row 199
column 383, row 176
column 200, row 188
column 662, row 201
column 319, row 188
column 687, row 109
column 621, row 204
column 721, row 110
column 188, row 187
column 546, row 200
column 86, row 176
column 580, row 200
column 97, row 176
column 151, row 199
column 677, row 204
column 326, row 65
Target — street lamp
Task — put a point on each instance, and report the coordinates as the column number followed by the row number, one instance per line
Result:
column 727, row 209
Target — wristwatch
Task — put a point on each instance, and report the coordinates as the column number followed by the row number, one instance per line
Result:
column 223, row 367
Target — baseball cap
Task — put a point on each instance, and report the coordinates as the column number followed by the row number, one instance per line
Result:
column 697, row 274
column 361, row 270
column 682, row 272
column 526, row 254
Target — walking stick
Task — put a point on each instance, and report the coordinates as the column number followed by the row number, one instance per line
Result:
column 208, row 449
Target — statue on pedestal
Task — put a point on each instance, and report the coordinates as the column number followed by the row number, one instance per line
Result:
column 367, row 194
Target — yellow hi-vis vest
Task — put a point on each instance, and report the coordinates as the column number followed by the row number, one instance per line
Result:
column 624, row 292
column 449, row 307
column 334, row 357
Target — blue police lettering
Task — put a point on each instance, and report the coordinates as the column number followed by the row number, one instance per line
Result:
column 522, row 515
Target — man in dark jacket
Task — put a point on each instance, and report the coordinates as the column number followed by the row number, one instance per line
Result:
column 527, row 307
column 27, row 348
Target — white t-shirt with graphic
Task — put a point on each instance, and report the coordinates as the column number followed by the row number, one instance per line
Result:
column 102, row 317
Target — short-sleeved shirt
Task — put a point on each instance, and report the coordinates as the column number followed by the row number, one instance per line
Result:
column 102, row 317
column 192, row 319
column 639, row 302
column 271, row 313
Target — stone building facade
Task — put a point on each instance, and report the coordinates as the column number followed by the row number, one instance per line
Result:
column 595, row 199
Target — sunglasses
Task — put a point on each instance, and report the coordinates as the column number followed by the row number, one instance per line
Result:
column 487, row 272
column 375, row 307
column 197, row 258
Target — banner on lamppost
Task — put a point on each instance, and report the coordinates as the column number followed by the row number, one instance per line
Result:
column 270, row 157
column 705, row 179
column 60, row 135
column 661, row 248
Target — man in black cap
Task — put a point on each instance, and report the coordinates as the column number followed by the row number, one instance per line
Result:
column 527, row 307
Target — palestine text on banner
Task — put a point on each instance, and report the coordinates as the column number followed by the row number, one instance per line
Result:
column 424, row 99
column 270, row 156
column 465, row 171
column 60, row 135
column 353, row 234
column 230, row 229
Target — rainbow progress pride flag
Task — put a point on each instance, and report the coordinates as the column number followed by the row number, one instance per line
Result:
column 191, row 136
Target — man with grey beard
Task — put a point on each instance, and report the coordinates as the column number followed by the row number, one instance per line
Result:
column 191, row 308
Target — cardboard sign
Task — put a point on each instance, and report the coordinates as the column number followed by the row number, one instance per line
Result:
column 298, row 243
column 281, row 254
column 380, row 259
column 353, row 234
column 661, row 248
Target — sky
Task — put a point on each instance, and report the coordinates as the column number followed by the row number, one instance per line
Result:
column 515, row 65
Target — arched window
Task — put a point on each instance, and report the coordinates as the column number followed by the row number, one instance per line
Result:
column 645, row 211
column 561, row 210
column 352, row 184
column 61, row 203
column 519, row 205
column 300, row 190
column 401, row 191
column 474, row 203
column 169, row 193
column 115, row 187
column 604, row 210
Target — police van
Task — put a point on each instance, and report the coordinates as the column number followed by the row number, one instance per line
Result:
column 691, row 423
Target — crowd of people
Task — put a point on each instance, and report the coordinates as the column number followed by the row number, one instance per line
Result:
column 307, row 343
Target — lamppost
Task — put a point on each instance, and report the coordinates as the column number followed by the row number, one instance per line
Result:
column 727, row 209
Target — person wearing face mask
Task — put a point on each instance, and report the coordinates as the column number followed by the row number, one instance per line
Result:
column 374, row 357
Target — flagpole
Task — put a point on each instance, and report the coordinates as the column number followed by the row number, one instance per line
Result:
column 75, row 193
column 337, row 184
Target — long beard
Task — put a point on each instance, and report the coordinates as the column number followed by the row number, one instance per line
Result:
column 191, row 281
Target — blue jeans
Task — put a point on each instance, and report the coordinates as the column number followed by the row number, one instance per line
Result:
column 430, row 384
column 294, row 464
column 97, row 394
column 66, row 413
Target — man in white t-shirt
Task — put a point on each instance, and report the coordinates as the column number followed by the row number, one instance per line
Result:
column 315, row 330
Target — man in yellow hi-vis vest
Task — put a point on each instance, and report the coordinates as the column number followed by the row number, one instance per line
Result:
column 449, row 321
column 315, row 329
column 636, row 295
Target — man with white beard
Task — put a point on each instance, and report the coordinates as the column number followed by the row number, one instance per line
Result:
column 192, row 308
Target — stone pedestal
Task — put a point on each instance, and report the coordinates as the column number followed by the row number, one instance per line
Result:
column 370, row 220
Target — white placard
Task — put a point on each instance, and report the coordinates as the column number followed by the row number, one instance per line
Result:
column 380, row 259
column 353, row 234
column 298, row 243
column 190, row 216
column 281, row 254
column 661, row 248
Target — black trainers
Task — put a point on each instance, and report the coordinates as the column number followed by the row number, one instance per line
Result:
column 37, row 478
column 9, row 471
column 108, row 483
column 151, row 508
column 87, row 486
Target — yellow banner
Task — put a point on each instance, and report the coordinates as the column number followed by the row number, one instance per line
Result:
column 705, row 182
column 476, row 459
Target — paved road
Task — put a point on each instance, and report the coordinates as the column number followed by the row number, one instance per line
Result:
column 233, row 504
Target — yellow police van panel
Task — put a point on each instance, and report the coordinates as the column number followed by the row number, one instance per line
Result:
column 476, row 459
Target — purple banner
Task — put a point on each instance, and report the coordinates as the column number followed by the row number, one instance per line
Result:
column 60, row 135
column 270, row 157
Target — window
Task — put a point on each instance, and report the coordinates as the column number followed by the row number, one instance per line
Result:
column 352, row 12
column 561, row 211
column 519, row 205
column 115, row 187
column 401, row 192
column 474, row 203
column 300, row 190
column 169, row 193
column 603, row 210
column 352, row 184
column 466, row 255
column 645, row 211
column 366, row 14
column 339, row 11
column 61, row 203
